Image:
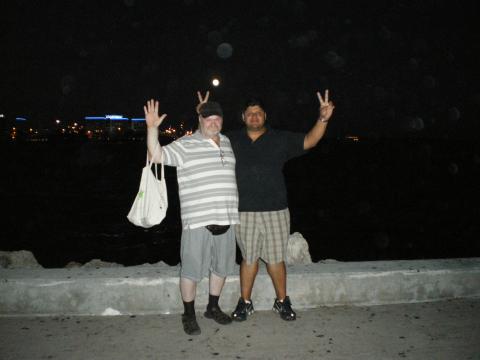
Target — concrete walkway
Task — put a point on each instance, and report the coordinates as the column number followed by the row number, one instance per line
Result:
column 434, row 330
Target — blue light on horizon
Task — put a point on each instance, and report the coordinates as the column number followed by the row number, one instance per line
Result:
column 114, row 117
column 20, row 119
column 107, row 117
column 138, row 119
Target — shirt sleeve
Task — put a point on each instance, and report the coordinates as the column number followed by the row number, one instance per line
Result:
column 294, row 143
column 174, row 154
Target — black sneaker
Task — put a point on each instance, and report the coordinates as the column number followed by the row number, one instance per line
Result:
column 284, row 308
column 190, row 325
column 242, row 310
column 218, row 315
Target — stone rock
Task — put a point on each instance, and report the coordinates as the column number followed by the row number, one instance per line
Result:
column 297, row 250
column 328, row 261
column 157, row 264
column 97, row 263
column 111, row 312
column 73, row 264
column 22, row 259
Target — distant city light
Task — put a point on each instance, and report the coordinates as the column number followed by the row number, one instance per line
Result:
column 2, row 116
column 215, row 82
column 93, row 130
column 353, row 138
column 115, row 117
column 106, row 117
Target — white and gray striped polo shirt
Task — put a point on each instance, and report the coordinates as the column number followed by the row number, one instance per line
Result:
column 207, row 185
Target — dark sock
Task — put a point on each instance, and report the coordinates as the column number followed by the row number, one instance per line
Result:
column 212, row 301
column 189, row 308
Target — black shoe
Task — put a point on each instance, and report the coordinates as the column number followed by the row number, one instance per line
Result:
column 284, row 308
column 242, row 310
column 190, row 325
column 218, row 315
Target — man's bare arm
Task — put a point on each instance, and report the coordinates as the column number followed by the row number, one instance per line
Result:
column 316, row 133
column 153, row 121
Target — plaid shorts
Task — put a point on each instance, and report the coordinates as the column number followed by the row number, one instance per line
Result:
column 263, row 234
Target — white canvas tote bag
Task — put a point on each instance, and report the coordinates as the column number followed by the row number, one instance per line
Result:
column 150, row 205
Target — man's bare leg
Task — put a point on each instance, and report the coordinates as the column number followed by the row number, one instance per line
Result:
column 188, row 289
column 278, row 273
column 248, row 273
column 216, row 284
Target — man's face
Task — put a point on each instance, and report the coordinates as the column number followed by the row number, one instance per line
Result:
column 211, row 126
column 254, row 118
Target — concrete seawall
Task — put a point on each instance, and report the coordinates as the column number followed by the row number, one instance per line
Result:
column 153, row 289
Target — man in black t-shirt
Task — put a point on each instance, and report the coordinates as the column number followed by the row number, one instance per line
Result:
column 264, row 228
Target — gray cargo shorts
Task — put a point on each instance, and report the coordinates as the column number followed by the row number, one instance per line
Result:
column 202, row 253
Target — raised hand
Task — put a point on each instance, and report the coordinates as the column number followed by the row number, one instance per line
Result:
column 151, row 114
column 201, row 100
column 326, row 107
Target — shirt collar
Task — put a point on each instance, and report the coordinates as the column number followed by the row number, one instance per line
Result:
column 198, row 135
column 267, row 130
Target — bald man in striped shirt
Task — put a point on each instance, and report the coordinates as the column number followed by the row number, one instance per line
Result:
column 209, row 205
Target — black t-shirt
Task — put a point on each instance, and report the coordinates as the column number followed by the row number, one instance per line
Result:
column 259, row 169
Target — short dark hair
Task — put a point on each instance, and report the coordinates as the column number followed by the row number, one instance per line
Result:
column 253, row 101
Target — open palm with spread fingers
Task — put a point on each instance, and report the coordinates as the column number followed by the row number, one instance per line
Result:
column 326, row 106
column 151, row 114
column 201, row 100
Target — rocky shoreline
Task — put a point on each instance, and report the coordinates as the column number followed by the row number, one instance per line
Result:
column 297, row 253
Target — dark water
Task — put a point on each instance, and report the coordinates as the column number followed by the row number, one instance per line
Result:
column 369, row 200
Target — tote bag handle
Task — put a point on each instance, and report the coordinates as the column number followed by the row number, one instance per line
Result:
column 150, row 162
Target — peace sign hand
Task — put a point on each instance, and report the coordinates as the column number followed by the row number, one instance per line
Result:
column 201, row 100
column 151, row 114
column 326, row 107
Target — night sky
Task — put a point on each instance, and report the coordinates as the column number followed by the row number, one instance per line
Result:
column 394, row 68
